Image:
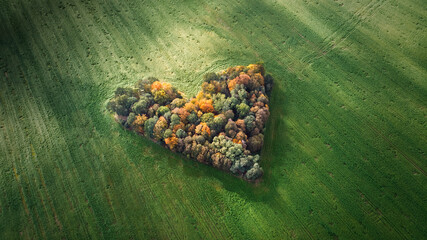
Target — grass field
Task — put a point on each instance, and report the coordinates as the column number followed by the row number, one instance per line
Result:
column 344, row 154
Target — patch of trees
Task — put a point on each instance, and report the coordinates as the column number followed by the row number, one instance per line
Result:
column 222, row 125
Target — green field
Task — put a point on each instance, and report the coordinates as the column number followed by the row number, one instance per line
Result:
column 345, row 149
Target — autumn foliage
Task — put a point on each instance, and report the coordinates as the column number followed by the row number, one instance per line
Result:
column 223, row 125
column 206, row 105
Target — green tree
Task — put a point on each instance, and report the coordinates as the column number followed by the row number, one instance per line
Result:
column 130, row 119
column 230, row 103
column 218, row 101
column 175, row 120
column 149, row 126
column 167, row 133
column 207, row 118
column 211, row 76
column 162, row 110
column 192, row 118
column 250, row 123
column 144, row 103
column 254, row 173
column 219, row 123
column 242, row 110
column 181, row 133
column 239, row 92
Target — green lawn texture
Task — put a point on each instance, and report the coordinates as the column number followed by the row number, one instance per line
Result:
column 345, row 149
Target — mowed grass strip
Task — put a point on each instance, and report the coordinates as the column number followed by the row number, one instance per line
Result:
column 344, row 155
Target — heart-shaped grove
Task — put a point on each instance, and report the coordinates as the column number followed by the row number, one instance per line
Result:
column 222, row 126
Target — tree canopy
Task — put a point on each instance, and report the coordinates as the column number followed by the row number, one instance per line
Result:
column 222, row 126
